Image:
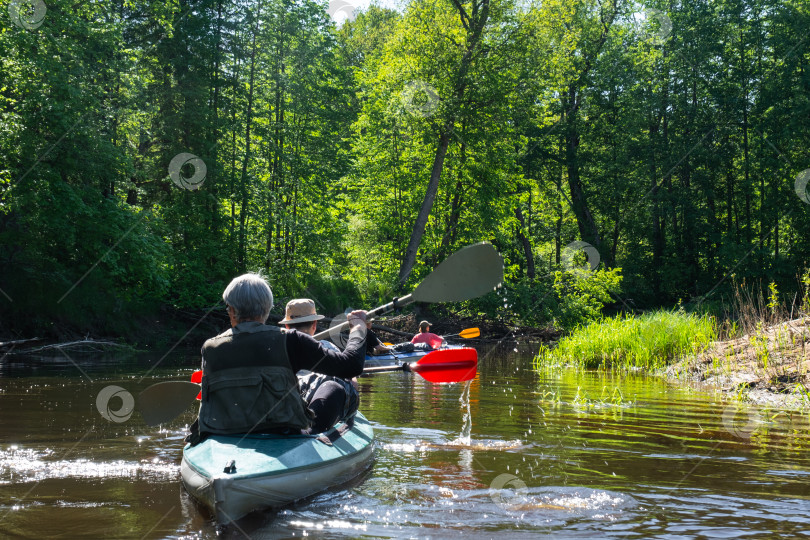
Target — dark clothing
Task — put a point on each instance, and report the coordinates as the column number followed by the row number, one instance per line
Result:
column 303, row 352
column 327, row 403
column 249, row 382
column 372, row 341
column 246, row 380
column 311, row 383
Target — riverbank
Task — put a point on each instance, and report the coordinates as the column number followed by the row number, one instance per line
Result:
column 768, row 366
column 188, row 329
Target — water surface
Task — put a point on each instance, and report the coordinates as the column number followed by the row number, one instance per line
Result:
column 523, row 453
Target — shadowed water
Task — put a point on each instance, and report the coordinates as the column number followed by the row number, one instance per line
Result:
column 515, row 453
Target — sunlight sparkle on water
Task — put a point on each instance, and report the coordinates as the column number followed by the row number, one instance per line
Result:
column 28, row 465
column 330, row 524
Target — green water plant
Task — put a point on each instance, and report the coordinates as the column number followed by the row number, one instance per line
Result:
column 802, row 390
column 613, row 398
column 759, row 342
column 773, row 299
column 805, row 288
column 551, row 397
column 610, row 397
column 582, row 400
column 650, row 341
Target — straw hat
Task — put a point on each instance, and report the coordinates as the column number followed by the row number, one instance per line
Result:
column 299, row 310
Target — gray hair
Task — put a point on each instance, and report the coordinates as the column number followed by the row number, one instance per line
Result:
column 250, row 297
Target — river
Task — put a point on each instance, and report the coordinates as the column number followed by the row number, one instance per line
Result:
column 516, row 453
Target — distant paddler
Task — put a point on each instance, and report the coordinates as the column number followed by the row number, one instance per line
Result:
column 426, row 336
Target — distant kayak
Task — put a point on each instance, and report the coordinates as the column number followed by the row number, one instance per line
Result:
column 237, row 474
column 404, row 357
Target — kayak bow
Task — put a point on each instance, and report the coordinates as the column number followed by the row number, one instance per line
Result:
column 237, row 474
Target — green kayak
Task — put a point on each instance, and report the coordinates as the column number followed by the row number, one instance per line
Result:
column 235, row 475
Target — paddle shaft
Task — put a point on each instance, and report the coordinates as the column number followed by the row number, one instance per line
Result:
column 386, row 369
column 396, row 303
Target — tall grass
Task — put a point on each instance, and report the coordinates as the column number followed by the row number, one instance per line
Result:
column 650, row 341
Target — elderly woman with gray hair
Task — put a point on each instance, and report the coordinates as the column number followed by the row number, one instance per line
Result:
column 249, row 383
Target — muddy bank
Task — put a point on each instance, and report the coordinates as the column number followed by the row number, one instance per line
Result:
column 768, row 366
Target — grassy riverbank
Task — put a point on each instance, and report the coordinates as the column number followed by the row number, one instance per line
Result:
column 767, row 364
column 650, row 341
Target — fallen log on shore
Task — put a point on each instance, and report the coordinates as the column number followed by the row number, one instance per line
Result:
column 83, row 345
column 14, row 343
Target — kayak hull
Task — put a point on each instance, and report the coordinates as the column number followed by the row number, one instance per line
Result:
column 272, row 470
column 402, row 358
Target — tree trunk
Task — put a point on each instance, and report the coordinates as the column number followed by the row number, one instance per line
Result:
column 277, row 159
column 215, row 188
column 243, row 212
column 559, row 207
column 474, row 23
column 657, row 235
column 527, row 247
column 451, row 226
column 588, row 230
column 730, row 201
column 424, row 211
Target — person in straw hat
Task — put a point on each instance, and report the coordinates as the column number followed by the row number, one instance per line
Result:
column 327, row 396
column 300, row 314
column 249, row 383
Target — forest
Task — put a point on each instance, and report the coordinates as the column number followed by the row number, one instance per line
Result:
column 619, row 155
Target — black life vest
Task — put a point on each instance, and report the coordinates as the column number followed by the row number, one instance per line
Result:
column 249, row 385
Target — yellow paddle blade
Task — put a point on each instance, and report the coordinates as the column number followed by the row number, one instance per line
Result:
column 470, row 333
column 388, row 344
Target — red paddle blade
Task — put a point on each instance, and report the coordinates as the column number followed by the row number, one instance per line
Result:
column 447, row 365
column 436, row 342
column 196, row 377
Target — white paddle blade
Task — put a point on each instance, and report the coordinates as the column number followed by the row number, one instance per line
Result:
column 468, row 273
